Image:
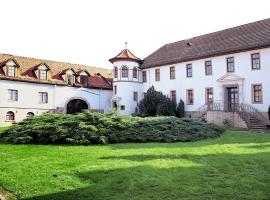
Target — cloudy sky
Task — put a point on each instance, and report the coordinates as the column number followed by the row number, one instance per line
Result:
column 92, row 31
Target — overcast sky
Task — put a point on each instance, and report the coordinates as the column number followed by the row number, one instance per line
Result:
column 92, row 31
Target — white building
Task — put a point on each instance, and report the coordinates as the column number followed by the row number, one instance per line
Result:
column 32, row 86
column 225, row 74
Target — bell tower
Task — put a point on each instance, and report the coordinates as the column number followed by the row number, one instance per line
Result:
column 127, row 81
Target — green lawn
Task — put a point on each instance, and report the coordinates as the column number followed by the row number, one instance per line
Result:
column 234, row 166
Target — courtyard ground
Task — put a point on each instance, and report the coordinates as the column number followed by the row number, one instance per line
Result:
column 233, row 166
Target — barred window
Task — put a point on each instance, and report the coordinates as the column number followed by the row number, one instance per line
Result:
column 173, row 96
column 208, row 67
column 43, row 97
column 157, row 73
column 135, row 96
column 172, row 72
column 10, row 116
column 124, row 72
column 190, row 97
column 13, row 95
column 144, row 76
column 230, row 64
column 255, row 60
column 257, row 93
column 189, row 70
column 209, row 95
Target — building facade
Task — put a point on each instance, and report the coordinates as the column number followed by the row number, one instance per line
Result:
column 219, row 76
column 32, row 86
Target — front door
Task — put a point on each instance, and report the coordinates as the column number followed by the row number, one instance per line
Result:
column 233, row 98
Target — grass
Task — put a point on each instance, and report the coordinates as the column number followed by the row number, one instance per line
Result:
column 234, row 166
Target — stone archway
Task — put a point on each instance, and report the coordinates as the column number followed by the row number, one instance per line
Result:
column 76, row 105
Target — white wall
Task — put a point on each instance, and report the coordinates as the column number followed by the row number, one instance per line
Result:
column 126, row 87
column 200, row 81
column 58, row 96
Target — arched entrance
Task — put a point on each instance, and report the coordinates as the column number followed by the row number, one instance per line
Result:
column 76, row 106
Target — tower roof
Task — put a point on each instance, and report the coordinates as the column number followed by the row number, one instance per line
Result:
column 125, row 55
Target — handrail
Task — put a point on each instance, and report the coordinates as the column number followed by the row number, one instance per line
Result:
column 245, row 111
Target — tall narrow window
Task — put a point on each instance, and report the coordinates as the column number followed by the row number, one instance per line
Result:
column 144, row 77
column 115, row 72
column 257, row 94
column 13, row 95
column 255, row 61
column 135, row 96
column 208, row 67
column 84, row 80
column 43, row 74
column 209, row 95
column 189, row 70
column 124, row 72
column 115, row 89
column 43, row 97
column 230, row 64
column 190, row 97
column 157, row 74
column 70, row 79
column 173, row 96
column 135, row 72
column 11, row 71
column 172, row 72
column 10, row 116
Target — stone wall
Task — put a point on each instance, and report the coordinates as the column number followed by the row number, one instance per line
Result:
column 218, row 117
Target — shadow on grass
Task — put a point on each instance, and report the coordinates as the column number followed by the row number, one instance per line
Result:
column 218, row 176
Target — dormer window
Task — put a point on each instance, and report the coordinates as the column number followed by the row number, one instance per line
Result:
column 11, row 71
column 70, row 79
column 43, row 74
column 84, row 80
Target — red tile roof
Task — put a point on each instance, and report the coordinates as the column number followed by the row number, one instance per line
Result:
column 125, row 55
column 26, row 67
column 241, row 38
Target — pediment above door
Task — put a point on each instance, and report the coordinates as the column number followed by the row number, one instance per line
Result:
column 231, row 78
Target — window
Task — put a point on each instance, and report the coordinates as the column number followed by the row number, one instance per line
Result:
column 157, row 74
column 10, row 116
column 122, row 107
column 115, row 72
column 208, row 67
column 209, row 95
column 257, row 95
column 230, row 64
column 172, row 72
column 84, row 80
column 135, row 72
column 43, row 74
column 30, row 114
column 43, row 97
column 13, row 95
column 190, row 97
column 11, row 71
column 70, row 79
column 115, row 89
column 144, row 76
column 135, row 96
column 255, row 60
column 124, row 72
column 173, row 96
column 189, row 70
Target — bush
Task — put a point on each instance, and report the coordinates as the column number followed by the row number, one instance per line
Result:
column 269, row 113
column 180, row 110
column 155, row 103
column 96, row 128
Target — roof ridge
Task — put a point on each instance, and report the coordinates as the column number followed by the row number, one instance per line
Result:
column 226, row 29
column 55, row 61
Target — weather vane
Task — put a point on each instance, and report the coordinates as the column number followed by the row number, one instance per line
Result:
column 126, row 43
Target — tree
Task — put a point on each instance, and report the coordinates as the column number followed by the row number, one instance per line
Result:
column 180, row 110
column 155, row 103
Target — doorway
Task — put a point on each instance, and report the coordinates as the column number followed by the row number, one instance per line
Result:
column 232, row 98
